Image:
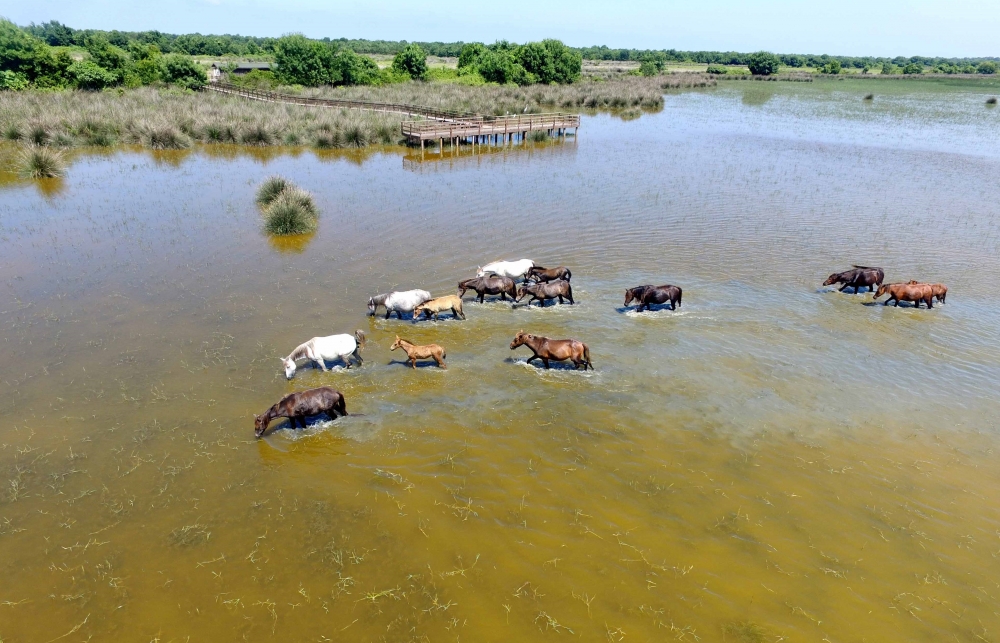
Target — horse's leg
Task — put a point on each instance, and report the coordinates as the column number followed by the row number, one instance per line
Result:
column 440, row 362
column 387, row 313
column 535, row 356
column 545, row 360
column 413, row 362
column 844, row 287
column 357, row 355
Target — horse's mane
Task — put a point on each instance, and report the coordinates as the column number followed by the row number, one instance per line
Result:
column 380, row 299
column 298, row 353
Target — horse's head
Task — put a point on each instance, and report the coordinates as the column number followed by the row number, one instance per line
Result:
column 479, row 271
column 523, row 290
column 260, row 423
column 834, row 278
column 371, row 306
column 884, row 288
column 395, row 344
column 418, row 310
column 629, row 296
column 289, row 365
column 520, row 339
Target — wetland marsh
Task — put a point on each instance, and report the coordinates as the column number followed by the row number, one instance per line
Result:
column 773, row 461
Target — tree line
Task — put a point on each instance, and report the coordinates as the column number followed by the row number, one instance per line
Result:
column 57, row 34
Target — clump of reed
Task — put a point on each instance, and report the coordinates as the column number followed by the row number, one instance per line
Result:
column 40, row 163
column 870, row 97
column 991, row 100
column 538, row 136
column 287, row 209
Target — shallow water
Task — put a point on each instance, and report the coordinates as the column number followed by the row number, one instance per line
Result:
column 775, row 460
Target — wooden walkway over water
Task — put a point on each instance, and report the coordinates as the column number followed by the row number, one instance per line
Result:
column 436, row 125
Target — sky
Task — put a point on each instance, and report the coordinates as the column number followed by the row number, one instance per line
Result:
column 956, row 28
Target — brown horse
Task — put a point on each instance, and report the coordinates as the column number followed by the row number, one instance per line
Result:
column 907, row 292
column 439, row 304
column 649, row 295
column 415, row 352
column 489, row 285
column 555, row 349
column 544, row 291
column 858, row 277
column 540, row 274
column 940, row 291
column 298, row 406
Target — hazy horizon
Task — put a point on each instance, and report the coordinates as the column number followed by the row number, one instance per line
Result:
column 963, row 28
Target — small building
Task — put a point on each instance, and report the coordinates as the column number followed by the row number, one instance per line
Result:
column 235, row 68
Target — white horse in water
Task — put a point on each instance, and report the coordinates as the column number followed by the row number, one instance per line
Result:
column 512, row 269
column 323, row 349
column 399, row 302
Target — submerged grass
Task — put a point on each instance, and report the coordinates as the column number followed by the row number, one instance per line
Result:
column 40, row 163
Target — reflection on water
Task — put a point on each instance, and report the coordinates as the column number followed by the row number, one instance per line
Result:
column 773, row 460
column 293, row 243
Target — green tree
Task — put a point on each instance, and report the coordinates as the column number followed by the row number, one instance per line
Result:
column 182, row 70
column 500, row 66
column 13, row 80
column 30, row 58
column 353, row 69
column 913, row 68
column 112, row 59
column 89, row 75
column 411, row 61
column 301, row 61
column 987, row 67
column 470, row 54
column 717, row 69
column 763, row 63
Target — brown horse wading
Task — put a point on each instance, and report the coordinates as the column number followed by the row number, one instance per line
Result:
column 539, row 274
column 415, row 352
column 298, row 406
column 439, row 304
column 940, row 291
column 915, row 293
column 559, row 350
column 489, row 285
column 857, row 277
column 647, row 296
column 543, row 291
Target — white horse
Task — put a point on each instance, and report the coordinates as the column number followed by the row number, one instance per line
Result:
column 324, row 349
column 398, row 302
column 512, row 269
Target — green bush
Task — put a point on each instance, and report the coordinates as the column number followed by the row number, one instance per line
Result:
column 356, row 70
column 763, row 63
column 717, row 69
column 832, row 67
column 912, row 69
column 470, row 54
column 411, row 61
column 500, row 66
column 986, row 67
column 301, row 61
column 91, row 76
column 29, row 59
column 183, row 71
column 13, row 80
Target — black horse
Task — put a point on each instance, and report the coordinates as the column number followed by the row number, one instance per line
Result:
column 646, row 296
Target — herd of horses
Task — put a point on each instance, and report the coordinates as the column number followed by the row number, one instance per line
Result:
column 517, row 279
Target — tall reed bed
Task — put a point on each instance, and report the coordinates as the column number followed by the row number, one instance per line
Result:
column 168, row 119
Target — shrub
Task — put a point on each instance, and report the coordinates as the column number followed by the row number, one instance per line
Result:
column 470, row 54
column 40, row 163
column 412, row 61
column 986, row 67
column 763, row 63
column 183, row 71
column 301, row 61
column 353, row 69
column 718, row 69
column 912, row 69
column 550, row 61
column 888, row 69
column 501, row 67
column 13, row 80
column 270, row 189
column 91, row 76
column 833, row 67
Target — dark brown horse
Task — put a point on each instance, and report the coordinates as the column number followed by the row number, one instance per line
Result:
column 857, row 277
column 540, row 274
column 907, row 292
column 647, row 296
column 543, row 291
column 298, row 406
column 489, row 285
column 554, row 349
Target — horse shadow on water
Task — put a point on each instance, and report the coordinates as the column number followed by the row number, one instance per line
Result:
column 539, row 366
column 653, row 308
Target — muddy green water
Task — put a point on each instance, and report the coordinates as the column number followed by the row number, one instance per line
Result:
column 774, row 461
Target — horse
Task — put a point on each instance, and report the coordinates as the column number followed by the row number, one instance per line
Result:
column 543, row 291
column 649, row 295
column 857, row 277
column 489, row 285
column 554, row 349
column 907, row 292
column 398, row 302
column 940, row 291
column 513, row 269
column 298, row 406
column 415, row 352
column 324, row 349
column 435, row 306
column 540, row 274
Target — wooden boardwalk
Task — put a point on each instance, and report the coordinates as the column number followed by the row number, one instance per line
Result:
column 436, row 125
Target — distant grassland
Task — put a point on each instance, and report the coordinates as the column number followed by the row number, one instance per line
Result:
column 174, row 119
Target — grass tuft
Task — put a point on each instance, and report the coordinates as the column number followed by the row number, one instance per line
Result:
column 538, row 136
column 355, row 136
column 991, row 100
column 13, row 133
column 166, row 138
column 41, row 163
column 870, row 97
column 39, row 135
column 287, row 209
column 270, row 189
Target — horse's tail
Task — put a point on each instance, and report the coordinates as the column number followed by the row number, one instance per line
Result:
column 458, row 307
column 569, row 274
column 341, row 405
column 586, row 356
column 359, row 335
column 680, row 293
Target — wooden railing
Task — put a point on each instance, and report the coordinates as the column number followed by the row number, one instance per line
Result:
column 486, row 126
column 400, row 108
